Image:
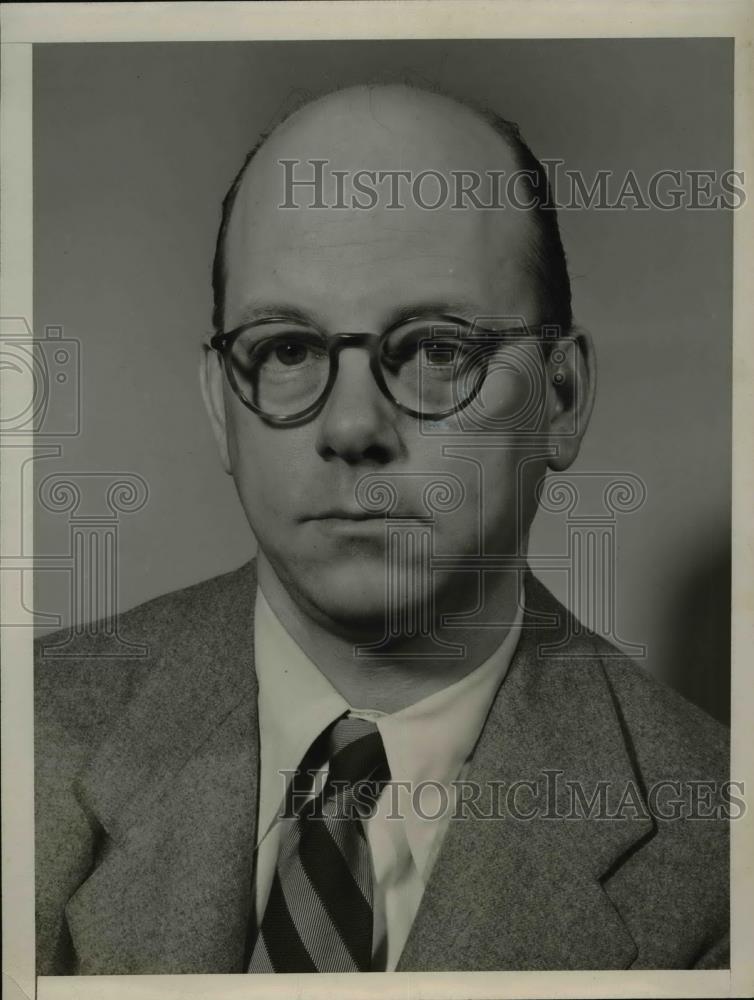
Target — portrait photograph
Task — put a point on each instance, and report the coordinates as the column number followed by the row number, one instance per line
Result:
column 376, row 502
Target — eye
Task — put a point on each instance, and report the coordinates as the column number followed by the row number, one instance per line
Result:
column 288, row 351
column 424, row 342
column 439, row 353
column 291, row 353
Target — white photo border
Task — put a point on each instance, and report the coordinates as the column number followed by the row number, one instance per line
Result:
column 24, row 25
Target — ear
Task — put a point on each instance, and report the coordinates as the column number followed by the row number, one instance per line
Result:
column 212, row 381
column 571, row 377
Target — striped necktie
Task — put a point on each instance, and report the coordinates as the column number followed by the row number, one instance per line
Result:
column 319, row 914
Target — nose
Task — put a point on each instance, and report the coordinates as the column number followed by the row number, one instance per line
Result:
column 357, row 423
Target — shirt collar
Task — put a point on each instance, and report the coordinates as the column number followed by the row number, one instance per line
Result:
column 296, row 702
column 428, row 741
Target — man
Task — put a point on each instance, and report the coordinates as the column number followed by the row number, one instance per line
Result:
column 200, row 810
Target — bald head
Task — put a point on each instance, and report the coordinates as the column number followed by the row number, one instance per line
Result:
column 402, row 136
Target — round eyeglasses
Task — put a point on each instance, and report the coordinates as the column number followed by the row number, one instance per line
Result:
column 428, row 367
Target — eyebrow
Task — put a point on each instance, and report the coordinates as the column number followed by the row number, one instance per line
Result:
column 271, row 310
column 464, row 309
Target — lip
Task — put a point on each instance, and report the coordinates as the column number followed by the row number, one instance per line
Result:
column 349, row 515
column 349, row 523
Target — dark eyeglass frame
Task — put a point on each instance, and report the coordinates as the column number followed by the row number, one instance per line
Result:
column 222, row 342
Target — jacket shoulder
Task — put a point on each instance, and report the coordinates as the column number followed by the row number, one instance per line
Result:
column 82, row 678
column 187, row 607
column 666, row 732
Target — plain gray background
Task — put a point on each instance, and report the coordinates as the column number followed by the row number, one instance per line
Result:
column 134, row 148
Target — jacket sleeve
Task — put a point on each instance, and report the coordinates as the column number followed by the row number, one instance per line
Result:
column 65, row 841
column 717, row 956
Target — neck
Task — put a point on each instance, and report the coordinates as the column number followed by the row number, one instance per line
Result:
column 409, row 669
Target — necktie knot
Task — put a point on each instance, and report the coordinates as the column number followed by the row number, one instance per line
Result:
column 356, row 752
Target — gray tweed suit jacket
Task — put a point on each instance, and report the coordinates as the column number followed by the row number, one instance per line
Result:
column 146, row 799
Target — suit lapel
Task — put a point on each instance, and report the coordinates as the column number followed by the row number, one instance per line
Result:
column 174, row 788
column 513, row 893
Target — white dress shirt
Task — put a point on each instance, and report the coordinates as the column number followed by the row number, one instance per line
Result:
column 429, row 741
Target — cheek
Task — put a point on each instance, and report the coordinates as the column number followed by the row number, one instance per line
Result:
column 498, row 494
column 266, row 464
column 487, row 511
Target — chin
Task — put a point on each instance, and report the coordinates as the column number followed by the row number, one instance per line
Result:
column 351, row 598
column 347, row 608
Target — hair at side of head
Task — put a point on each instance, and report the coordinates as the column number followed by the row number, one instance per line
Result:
column 547, row 258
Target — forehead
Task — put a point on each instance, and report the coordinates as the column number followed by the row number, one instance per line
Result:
column 346, row 259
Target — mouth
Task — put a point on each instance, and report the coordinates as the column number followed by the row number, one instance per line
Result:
column 348, row 515
column 354, row 524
